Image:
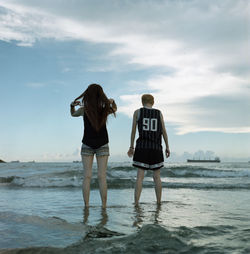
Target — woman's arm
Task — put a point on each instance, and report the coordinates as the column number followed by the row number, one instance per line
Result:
column 132, row 137
column 113, row 106
column 165, row 136
column 78, row 112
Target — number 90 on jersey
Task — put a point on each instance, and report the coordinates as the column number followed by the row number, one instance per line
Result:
column 149, row 124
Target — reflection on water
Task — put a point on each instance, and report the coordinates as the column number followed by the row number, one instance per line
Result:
column 157, row 213
column 140, row 215
column 103, row 218
column 85, row 215
column 138, row 220
column 99, row 230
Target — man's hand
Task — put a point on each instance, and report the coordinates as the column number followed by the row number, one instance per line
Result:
column 130, row 152
column 167, row 152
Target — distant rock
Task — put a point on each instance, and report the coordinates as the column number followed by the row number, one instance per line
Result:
column 1, row 161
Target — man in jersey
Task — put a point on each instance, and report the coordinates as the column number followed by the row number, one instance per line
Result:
column 148, row 154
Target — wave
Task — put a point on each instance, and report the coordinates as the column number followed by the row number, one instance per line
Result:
column 35, row 220
column 40, row 182
column 124, row 176
column 21, row 230
column 204, row 172
column 7, row 179
column 187, row 171
column 151, row 238
column 172, row 171
column 115, row 183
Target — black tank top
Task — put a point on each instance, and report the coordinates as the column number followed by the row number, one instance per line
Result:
column 150, row 129
column 93, row 138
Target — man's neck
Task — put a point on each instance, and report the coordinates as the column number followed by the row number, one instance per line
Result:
column 147, row 105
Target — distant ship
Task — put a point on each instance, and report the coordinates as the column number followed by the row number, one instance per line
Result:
column 76, row 161
column 216, row 159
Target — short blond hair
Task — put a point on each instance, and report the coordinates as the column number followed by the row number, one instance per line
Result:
column 147, row 99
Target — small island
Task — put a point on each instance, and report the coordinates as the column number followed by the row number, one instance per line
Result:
column 1, row 161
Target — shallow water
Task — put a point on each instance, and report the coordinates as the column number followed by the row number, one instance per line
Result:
column 207, row 213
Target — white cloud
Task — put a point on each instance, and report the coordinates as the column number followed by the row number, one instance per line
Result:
column 75, row 155
column 177, row 96
column 202, row 48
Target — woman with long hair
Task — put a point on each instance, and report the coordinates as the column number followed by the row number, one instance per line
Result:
column 95, row 109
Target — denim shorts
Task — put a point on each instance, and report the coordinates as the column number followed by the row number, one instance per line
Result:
column 101, row 151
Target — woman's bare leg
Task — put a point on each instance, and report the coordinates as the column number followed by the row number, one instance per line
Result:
column 87, row 162
column 138, row 185
column 158, row 188
column 102, row 162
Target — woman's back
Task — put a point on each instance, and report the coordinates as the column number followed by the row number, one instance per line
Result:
column 92, row 137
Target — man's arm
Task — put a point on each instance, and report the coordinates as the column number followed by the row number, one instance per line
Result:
column 132, row 137
column 165, row 136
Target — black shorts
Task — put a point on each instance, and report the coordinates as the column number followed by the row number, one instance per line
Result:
column 148, row 159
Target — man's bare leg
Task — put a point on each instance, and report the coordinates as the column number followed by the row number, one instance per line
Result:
column 158, row 187
column 138, row 185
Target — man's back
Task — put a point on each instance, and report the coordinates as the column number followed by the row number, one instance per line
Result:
column 149, row 128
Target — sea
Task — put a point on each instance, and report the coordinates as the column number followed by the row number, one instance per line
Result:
column 205, row 209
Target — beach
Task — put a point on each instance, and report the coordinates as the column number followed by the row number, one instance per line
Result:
column 205, row 209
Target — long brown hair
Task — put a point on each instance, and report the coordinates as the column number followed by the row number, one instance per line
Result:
column 96, row 105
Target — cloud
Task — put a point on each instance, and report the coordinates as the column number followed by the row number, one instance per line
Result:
column 61, row 156
column 202, row 102
column 201, row 48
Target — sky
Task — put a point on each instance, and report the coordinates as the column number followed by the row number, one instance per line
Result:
column 192, row 56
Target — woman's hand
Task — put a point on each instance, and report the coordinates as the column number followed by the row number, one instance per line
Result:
column 113, row 106
column 111, row 101
column 75, row 103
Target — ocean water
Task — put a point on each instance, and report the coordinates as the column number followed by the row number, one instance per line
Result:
column 205, row 209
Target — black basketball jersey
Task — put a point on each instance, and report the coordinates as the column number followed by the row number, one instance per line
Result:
column 149, row 128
